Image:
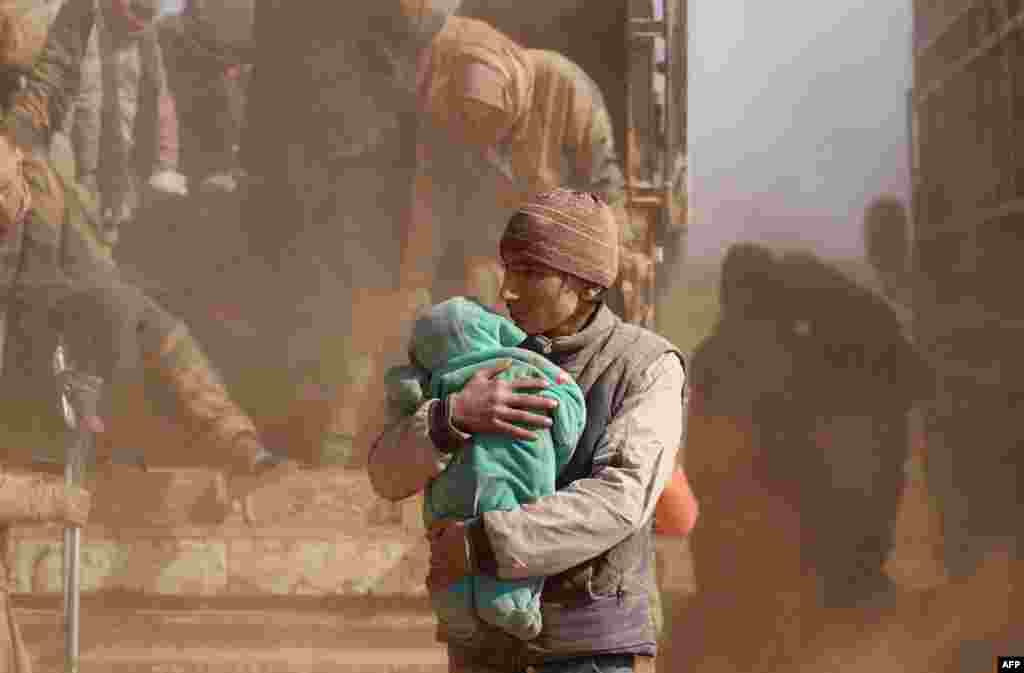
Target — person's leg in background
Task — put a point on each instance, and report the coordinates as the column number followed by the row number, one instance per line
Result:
column 858, row 499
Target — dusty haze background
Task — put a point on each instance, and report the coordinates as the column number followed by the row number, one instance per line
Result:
column 797, row 118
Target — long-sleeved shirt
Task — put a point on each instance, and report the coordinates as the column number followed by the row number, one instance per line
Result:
column 589, row 516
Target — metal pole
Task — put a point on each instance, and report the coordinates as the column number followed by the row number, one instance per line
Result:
column 79, row 399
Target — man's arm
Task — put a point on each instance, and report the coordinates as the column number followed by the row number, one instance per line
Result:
column 167, row 348
column 592, row 515
column 207, row 411
column 404, row 458
column 412, row 451
column 40, row 108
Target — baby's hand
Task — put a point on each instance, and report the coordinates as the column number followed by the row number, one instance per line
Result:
column 404, row 385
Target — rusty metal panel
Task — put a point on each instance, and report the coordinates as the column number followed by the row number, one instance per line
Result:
column 644, row 149
column 932, row 17
column 677, row 70
column 969, row 177
column 966, row 106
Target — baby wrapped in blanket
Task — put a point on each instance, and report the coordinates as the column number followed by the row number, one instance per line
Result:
column 451, row 342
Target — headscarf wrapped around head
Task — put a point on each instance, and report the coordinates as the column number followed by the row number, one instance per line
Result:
column 478, row 79
column 567, row 230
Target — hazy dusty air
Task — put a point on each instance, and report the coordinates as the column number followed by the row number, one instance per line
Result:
column 798, row 116
column 851, row 445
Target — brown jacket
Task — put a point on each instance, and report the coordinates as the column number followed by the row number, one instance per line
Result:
column 549, row 117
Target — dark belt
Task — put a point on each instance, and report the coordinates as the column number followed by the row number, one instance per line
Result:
column 480, row 661
column 641, row 663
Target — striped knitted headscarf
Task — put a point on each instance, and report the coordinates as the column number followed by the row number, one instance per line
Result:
column 568, row 230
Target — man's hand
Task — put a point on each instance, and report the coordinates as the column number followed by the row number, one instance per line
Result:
column 487, row 404
column 77, row 503
column 448, row 554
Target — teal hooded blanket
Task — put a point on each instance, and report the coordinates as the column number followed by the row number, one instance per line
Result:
column 450, row 343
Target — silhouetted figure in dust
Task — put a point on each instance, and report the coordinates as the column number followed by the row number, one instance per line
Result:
column 798, row 442
column 857, row 378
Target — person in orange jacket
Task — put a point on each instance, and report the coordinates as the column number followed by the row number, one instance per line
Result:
column 677, row 510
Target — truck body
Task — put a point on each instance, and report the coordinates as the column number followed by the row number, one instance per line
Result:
column 968, row 210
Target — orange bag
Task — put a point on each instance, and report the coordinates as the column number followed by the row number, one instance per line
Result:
column 676, row 512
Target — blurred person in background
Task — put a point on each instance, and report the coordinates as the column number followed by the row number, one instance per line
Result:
column 139, row 125
column 857, row 378
column 122, row 122
column 968, row 331
column 206, row 50
column 746, row 549
column 498, row 124
column 319, row 221
column 50, row 252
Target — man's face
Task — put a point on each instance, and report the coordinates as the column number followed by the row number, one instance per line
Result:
column 540, row 300
column 12, row 195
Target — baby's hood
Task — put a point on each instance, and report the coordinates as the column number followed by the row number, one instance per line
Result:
column 457, row 327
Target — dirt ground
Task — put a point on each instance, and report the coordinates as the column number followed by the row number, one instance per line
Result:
column 268, row 636
column 273, row 640
column 759, row 610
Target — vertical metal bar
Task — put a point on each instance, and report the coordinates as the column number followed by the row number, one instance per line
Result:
column 669, row 10
column 627, row 149
column 72, row 534
column 912, row 160
column 911, row 116
column 74, row 540
column 74, row 544
column 666, row 120
column 1011, row 47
